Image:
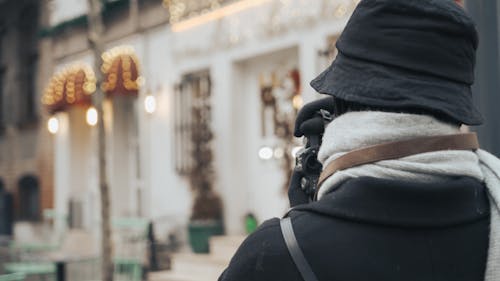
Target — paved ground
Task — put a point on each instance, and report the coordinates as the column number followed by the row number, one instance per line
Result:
column 201, row 267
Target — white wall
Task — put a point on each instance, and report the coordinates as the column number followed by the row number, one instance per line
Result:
column 122, row 176
column 167, row 195
column 61, row 169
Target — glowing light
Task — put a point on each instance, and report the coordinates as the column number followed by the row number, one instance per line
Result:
column 216, row 14
column 91, row 116
column 53, row 125
column 265, row 153
column 150, row 104
column 295, row 150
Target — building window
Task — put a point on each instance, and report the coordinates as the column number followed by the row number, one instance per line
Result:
column 29, row 198
column 28, row 58
column 192, row 98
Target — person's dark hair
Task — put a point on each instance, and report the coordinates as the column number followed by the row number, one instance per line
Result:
column 342, row 106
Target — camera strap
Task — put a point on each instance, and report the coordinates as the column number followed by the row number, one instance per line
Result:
column 398, row 149
column 293, row 248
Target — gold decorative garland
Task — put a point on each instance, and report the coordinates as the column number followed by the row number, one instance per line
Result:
column 72, row 85
column 121, row 71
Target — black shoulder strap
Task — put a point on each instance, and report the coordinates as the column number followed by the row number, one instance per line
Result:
column 295, row 251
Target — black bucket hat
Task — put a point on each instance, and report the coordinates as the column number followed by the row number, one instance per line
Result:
column 406, row 54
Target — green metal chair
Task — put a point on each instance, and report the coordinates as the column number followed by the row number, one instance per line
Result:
column 28, row 260
column 34, row 247
column 30, row 251
column 130, row 241
column 17, row 276
column 127, row 269
column 40, row 269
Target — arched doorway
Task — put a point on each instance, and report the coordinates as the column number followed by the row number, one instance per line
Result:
column 29, row 198
column 68, row 98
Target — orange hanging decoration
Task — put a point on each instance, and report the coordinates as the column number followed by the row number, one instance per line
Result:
column 73, row 85
column 121, row 72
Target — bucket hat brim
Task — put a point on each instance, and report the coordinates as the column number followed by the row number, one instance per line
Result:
column 375, row 84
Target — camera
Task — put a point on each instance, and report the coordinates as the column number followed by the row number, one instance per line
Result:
column 306, row 160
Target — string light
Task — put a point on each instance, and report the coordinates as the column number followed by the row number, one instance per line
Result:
column 73, row 84
column 215, row 14
column 271, row 18
column 120, row 65
column 186, row 14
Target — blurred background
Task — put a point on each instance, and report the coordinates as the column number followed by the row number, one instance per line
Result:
column 157, row 143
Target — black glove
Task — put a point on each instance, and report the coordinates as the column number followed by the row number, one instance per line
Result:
column 296, row 195
column 309, row 111
column 308, row 123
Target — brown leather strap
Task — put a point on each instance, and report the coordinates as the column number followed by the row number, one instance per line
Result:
column 399, row 149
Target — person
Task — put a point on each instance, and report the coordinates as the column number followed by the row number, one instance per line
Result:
column 404, row 193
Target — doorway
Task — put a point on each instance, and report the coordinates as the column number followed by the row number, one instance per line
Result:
column 266, row 87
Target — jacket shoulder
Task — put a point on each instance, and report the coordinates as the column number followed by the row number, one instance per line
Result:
column 262, row 256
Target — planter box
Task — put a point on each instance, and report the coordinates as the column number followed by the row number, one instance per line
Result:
column 200, row 233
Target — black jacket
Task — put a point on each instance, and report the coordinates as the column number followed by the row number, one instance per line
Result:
column 374, row 229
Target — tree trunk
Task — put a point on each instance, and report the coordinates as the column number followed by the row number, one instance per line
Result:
column 95, row 31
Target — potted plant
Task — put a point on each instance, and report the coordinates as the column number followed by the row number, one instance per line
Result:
column 206, row 217
column 206, row 220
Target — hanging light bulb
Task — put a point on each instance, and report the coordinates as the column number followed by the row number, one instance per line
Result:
column 150, row 104
column 53, row 125
column 92, row 116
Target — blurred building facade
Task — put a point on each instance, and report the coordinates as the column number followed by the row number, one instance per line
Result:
column 237, row 69
column 132, row 39
column 248, row 62
column 25, row 150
